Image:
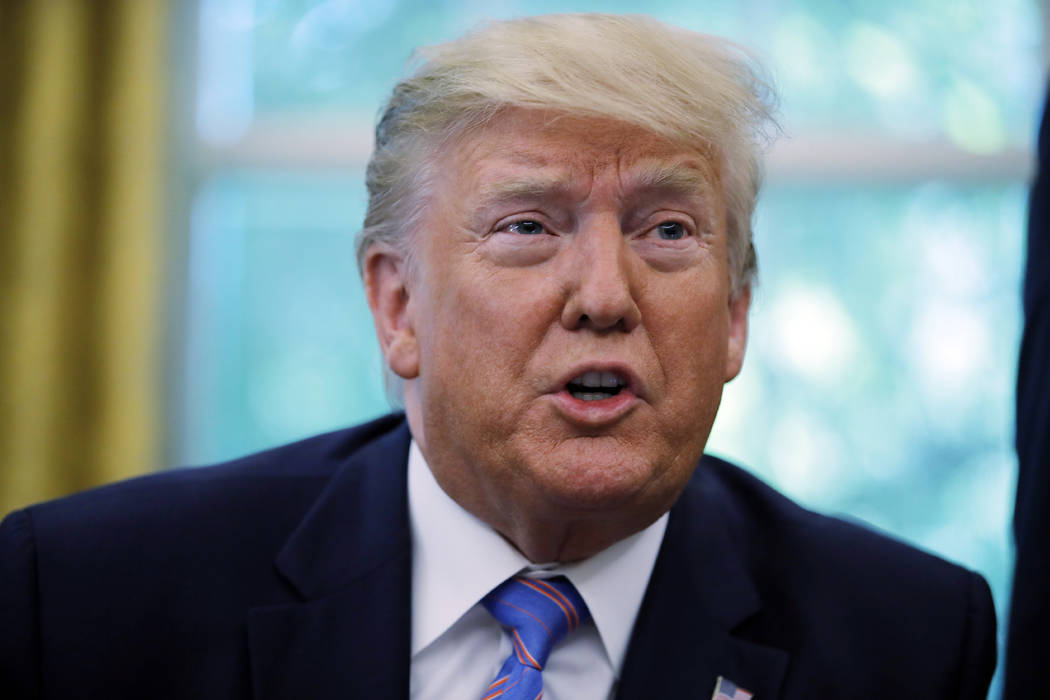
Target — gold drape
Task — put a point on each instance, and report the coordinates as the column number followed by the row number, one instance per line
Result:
column 82, row 87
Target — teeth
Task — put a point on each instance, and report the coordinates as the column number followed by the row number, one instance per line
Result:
column 590, row 379
column 596, row 380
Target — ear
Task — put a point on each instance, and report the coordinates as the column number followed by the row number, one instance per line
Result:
column 739, row 304
column 387, row 289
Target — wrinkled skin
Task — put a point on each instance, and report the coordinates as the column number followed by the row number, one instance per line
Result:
column 553, row 245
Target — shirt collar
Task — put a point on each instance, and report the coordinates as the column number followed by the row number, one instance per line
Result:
column 457, row 559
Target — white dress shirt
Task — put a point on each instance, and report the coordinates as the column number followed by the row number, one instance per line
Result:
column 457, row 647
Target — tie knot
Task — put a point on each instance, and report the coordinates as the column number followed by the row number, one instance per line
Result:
column 539, row 613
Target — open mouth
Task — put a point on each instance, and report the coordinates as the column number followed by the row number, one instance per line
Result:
column 595, row 386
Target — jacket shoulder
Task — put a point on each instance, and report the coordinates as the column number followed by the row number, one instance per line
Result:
column 186, row 519
column 773, row 530
column 251, row 503
column 841, row 595
column 166, row 561
column 261, row 479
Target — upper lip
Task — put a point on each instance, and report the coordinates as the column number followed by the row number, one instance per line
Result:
column 633, row 381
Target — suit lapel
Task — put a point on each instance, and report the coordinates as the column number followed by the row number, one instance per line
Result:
column 688, row 629
column 349, row 563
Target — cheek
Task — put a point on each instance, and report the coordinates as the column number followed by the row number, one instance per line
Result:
column 484, row 327
column 690, row 336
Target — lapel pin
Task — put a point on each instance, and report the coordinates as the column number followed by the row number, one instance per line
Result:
column 728, row 690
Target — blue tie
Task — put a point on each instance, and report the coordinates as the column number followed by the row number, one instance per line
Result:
column 537, row 613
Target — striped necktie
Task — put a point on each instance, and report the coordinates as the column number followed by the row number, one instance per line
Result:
column 537, row 613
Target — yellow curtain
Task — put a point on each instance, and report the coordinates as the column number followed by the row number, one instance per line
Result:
column 82, row 87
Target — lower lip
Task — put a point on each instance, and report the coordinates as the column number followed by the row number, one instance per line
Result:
column 595, row 413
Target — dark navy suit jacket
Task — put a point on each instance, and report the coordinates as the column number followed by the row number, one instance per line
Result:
column 287, row 574
column 1028, row 649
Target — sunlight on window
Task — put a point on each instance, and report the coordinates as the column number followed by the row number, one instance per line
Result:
column 225, row 95
column 814, row 332
column 879, row 62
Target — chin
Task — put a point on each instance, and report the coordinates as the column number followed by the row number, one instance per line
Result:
column 605, row 477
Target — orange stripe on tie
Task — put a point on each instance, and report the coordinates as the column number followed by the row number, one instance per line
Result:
column 498, row 691
column 507, row 689
column 555, row 595
column 530, row 614
column 562, row 597
column 521, row 646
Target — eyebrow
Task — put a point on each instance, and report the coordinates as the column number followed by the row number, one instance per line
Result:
column 679, row 179
column 527, row 188
column 684, row 179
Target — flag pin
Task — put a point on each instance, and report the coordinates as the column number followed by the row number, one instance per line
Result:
column 728, row 690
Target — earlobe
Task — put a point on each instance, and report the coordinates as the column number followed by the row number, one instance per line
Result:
column 739, row 304
column 386, row 286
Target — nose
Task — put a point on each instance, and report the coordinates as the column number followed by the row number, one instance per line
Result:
column 601, row 285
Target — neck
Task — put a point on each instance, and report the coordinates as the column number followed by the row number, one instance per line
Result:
column 542, row 531
column 542, row 542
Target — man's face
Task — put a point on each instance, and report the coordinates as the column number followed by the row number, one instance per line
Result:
column 566, row 328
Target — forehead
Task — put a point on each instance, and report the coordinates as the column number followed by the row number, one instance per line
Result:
column 523, row 149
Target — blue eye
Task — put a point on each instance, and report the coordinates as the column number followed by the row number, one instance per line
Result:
column 671, row 231
column 526, row 227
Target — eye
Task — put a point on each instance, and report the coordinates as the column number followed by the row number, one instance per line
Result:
column 671, row 231
column 526, row 227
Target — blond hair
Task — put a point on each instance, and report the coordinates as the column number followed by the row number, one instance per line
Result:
column 694, row 88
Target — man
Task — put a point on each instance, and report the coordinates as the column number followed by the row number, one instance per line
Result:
column 1027, row 646
column 557, row 254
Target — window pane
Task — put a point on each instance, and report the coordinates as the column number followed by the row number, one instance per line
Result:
column 963, row 70
column 279, row 338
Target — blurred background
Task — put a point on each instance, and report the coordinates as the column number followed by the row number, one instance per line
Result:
column 181, row 181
